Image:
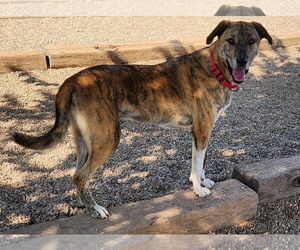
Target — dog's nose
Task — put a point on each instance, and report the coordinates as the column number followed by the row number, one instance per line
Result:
column 242, row 61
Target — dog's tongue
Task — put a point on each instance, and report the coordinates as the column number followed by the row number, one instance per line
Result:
column 238, row 74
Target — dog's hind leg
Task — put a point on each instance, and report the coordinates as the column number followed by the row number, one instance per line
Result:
column 82, row 155
column 101, row 140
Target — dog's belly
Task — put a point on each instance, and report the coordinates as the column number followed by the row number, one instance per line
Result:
column 182, row 121
column 178, row 120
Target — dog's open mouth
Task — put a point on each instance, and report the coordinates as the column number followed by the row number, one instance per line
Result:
column 238, row 74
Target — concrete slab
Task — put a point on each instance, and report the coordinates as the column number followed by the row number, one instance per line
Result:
column 145, row 242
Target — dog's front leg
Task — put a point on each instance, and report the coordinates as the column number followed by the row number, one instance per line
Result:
column 201, row 135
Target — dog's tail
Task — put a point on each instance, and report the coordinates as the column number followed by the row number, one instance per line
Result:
column 63, row 103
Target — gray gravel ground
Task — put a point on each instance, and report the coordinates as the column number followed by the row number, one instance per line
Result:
column 36, row 33
column 262, row 123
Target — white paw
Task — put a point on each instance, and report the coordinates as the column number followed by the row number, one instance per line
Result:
column 207, row 183
column 100, row 212
column 201, row 191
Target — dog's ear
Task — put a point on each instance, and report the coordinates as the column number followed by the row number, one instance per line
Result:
column 262, row 32
column 218, row 31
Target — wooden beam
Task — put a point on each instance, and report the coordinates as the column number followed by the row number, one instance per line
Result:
column 282, row 40
column 91, row 55
column 231, row 203
column 273, row 179
column 22, row 60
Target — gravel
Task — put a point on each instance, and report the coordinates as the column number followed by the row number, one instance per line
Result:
column 35, row 33
column 151, row 161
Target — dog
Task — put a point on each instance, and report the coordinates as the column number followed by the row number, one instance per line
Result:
column 189, row 91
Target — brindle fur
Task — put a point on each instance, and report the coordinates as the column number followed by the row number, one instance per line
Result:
column 180, row 92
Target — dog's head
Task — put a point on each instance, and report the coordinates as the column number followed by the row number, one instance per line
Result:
column 238, row 45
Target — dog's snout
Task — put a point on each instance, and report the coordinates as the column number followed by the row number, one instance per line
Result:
column 242, row 61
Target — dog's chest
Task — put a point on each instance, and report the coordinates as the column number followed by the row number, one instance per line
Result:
column 223, row 107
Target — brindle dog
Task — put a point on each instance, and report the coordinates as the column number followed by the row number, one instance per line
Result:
column 181, row 92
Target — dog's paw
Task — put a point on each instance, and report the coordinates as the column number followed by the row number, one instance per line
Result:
column 100, row 212
column 207, row 183
column 202, row 191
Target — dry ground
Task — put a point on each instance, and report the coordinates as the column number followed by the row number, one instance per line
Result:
column 37, row 33
column 139, row 8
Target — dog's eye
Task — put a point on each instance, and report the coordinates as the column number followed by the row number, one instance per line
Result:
column 251, row 41
column 230, row 41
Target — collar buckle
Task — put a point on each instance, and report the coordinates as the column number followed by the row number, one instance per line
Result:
column 235, row 89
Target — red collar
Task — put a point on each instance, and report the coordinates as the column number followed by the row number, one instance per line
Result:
column 217, row 72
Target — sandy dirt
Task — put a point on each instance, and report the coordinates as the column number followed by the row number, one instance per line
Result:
column 140, row 7
column 37, row 33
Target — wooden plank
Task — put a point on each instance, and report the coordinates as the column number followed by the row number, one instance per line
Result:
column 231, row 202
column 272, row 179
column 283, row 41
column 22, row 60
column 91, row 55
